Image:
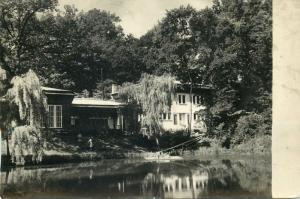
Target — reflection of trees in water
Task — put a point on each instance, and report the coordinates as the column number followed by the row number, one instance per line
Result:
column 247, row 175
column 254, row 175
column 19, row 179
column 180, row 179
column 80, row 178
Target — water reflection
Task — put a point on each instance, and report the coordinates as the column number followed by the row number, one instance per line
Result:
column 132, row 179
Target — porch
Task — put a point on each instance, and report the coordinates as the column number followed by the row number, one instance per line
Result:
column 95, row 116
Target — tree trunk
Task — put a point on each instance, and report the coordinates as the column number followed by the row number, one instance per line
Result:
column 191, row 108
column 191, row 103
column 7, row 148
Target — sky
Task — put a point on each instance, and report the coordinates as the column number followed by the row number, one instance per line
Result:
column 137, row 16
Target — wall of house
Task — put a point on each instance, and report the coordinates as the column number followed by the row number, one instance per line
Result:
column 182, row 110
column 130, row 118
column 65, row 101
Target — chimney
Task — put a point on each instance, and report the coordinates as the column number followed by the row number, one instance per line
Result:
column 114, row 91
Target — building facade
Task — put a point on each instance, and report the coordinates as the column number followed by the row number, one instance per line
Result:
column 186, row 109
column 69, row 114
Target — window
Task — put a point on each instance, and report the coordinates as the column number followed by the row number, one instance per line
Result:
column 169, row 116
column 196, row 99
column 182, row 118
column 196, row 116
column 181, row 99
column 175, row 119
column 55, row 116
column 166, row 116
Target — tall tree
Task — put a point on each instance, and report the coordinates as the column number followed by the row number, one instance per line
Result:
column 228, row 46
column 179, row 45
column 26, row 95
column 17, row 32
column 85, row 48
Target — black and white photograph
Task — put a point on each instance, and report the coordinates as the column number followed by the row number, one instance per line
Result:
column 136, row 99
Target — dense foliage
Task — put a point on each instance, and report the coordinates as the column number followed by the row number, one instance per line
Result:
column 228, row 46
column 19, row 33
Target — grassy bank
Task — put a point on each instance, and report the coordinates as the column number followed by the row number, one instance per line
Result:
column 259, row 146
column 55, row 157
column 66, row 149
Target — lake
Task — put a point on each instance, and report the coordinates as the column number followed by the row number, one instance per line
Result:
column 119, row 179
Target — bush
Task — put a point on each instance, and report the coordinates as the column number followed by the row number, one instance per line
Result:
column 259, row 144
column 250, row 126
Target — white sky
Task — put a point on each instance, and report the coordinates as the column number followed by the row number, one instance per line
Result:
column 138, row 16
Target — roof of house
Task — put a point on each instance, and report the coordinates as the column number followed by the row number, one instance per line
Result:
column 200, row 86
column 56, row 91
column 94, row 102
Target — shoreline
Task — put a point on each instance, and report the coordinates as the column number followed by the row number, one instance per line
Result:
column 65, row 158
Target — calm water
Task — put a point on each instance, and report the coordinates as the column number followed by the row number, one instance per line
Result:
column 116, row 179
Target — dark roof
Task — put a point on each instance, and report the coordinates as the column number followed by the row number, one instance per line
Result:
column 56, row 91
column 197, row 86
column 185, row 88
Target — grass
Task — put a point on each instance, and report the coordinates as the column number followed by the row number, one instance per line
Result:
column 67, row 148
column 255, row 146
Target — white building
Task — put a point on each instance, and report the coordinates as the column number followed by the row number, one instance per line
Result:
column 180, row 115
column 182, row 110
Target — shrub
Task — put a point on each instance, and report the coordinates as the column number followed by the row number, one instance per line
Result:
column 250, row 126
column 259, row 144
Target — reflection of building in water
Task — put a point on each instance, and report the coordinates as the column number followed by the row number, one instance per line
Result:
column 176, row 186
column 191, row 186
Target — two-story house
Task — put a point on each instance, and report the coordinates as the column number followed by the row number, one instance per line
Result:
column 186, row 109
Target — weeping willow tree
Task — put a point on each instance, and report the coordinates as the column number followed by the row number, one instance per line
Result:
column 154, row 94
column 26, row 95
column 7, row 112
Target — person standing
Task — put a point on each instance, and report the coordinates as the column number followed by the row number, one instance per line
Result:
column 90, row 142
